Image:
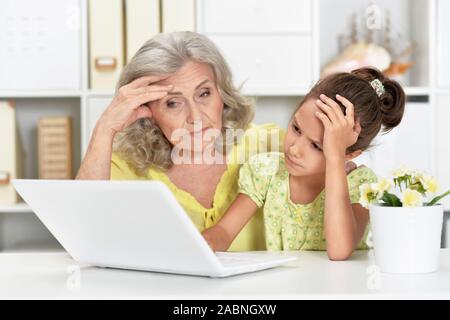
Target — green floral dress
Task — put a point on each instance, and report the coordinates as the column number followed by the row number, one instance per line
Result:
column 290, row 226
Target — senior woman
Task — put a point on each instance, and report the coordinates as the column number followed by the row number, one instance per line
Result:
column 176, row 86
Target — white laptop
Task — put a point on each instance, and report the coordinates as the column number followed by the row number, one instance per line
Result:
column 132, row 225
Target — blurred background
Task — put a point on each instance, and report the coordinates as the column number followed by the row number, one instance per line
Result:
column 60, row 61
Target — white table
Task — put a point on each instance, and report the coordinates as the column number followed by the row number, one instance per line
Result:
column 312, row 276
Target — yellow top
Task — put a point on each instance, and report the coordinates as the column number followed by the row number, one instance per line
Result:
column 253, row 142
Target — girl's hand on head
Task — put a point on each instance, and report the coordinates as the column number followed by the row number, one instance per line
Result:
column 340, row 131
column 130, row 103
column 217, row 238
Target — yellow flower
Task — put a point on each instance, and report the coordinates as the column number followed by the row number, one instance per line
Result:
column 430, row 184
column 418, row 175
column 400, row 172
column 411, row 198
column 381, row 186
column 368, row 195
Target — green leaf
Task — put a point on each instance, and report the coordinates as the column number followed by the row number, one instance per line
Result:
column 391, row 200
column 418, row 186
column 436, row 199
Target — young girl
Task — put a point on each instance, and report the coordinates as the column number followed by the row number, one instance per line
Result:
column 309, row 201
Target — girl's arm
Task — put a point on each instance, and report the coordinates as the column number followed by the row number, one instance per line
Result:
column 221, row 235
column 344, row 223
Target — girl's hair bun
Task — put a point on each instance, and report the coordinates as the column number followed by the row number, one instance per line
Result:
column 392, row 101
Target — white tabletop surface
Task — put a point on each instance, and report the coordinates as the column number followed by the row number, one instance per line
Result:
column 48, row 275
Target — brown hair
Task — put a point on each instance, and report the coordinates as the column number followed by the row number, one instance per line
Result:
column 372, row 111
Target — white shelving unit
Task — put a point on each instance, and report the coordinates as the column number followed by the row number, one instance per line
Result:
column 40, row 94
column 316, row 27
column 15, row 208
column 32, row 104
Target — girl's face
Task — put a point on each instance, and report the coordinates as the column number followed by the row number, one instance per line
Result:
column 303, row 142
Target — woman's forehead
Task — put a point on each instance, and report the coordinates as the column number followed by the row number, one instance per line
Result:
column 189, row 76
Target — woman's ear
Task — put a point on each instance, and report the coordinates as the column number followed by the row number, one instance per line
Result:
column 353, row 155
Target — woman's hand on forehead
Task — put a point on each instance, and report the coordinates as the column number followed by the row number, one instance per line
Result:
column 146, row 81
column 130, row 103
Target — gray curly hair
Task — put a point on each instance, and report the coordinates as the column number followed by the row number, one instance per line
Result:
column 143, row 144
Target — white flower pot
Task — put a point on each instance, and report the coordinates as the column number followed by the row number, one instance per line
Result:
column 407, row 240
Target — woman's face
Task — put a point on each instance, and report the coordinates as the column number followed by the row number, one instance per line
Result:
column 192, row 110
column 303, row 142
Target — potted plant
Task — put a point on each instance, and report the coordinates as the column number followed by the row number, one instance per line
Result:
column 406, row 221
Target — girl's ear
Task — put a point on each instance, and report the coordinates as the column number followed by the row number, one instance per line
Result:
column 353, row 155
column 357, row 126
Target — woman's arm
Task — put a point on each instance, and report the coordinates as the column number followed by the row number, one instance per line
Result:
column 127, row 106
column 344, row 223
column 221, row 235
column 96, row 164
